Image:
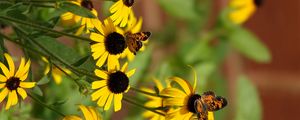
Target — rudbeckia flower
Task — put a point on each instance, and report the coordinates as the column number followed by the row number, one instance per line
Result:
column 11, row 83
column 69, row 18
column 57, row 74
column 134, row 26
column 110, row 90
column 154, row 102
column 121, row 11
column 89, row 112
column 184, row 99
column 108, row 45
column 242, row 10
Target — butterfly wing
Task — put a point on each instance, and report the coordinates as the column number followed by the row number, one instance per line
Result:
column 212, row 101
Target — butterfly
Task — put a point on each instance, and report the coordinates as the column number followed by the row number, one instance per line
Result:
column 134, row 41
column 208, row 102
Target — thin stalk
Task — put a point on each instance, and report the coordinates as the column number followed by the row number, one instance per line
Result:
column 22, row 45
column 45, row 105
column 42, row 28
column 57, row 57
column 142, row 106
column 148, row 93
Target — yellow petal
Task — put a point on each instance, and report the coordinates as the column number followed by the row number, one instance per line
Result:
column 9, row 101
column 115, row 6
column 97, row 37
column 57, row 77
column 10, row 64
column 2, row 85
column 158, row 85
column 124, row 67
column 71, row 117
column 138, row 26
column 3, row 78
column 102, row 59
column 14, row 97
column 99, row 84
column 99, row 93
column 113, row 62
column 130, row 73
column 98, row 25
column 5, row 71
column 101, row 102
column 210, row 116
column 108, row 103
column 184, row 84
column 118, row 102
column 27, row 84
column 173, row 92
column 101, row 74
column 86, row 112
column 3, row 94
column 94, row 113
column 21, row 66
column 22, row 93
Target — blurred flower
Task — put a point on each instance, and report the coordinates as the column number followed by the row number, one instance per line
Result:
column 13, row 83
column 56, row 72
column 108, row 45
column 89, row 112
column 69, row 18
column 242, row 10
column 111, row 89
column 120, row 12
column 183, row 100
column 154, row 102
column 134, row 26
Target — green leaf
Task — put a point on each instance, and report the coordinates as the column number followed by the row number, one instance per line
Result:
column 81, row 61
column 78, row 10
column 59, row 49
column 248, row 101
column 4, row 5
column 37, row 90
column 43, row 81
column 183, row 9
column 249, row 45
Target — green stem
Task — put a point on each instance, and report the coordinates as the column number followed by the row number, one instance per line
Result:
column 42, row 28
column 79, row 71
column 148, row 93
column 45, row 105
column 22, row 45
column 142, row 106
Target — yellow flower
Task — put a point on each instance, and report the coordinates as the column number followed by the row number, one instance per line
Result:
column 89, row 112
column 56, row 72
column 120, row 12
column 134, row 26
column 183, row 100
column 242, row 10
column 154, row 102
column 69, row 18
column 11, row 83
column 108, row 45
column 110, row 90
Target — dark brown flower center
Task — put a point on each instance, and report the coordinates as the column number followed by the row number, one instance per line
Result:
column 258, row 3
column 118, row 82
column 115, row 43
column 87, row 4
column 128, row 3
column 13, row 83
column 191, row 102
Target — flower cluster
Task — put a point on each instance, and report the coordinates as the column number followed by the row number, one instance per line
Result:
column 182, row 103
